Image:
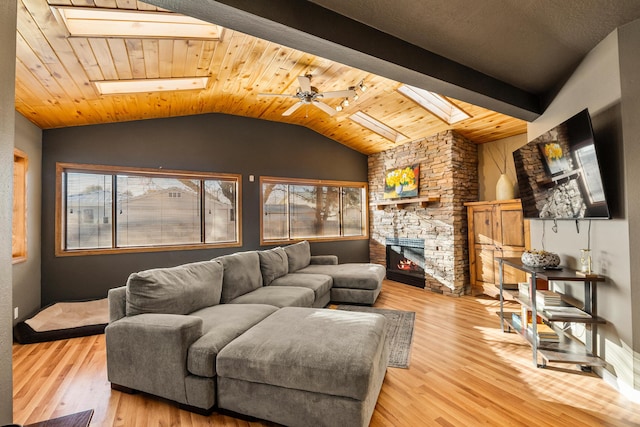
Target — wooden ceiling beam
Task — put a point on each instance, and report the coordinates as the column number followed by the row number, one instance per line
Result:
column 319, row 31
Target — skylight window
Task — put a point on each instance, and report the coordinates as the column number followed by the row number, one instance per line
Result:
column 435, row 104
column 377, row 126
column 115, row 87
column 96, row 22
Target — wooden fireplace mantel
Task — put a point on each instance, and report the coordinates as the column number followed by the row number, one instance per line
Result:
column 402, row 203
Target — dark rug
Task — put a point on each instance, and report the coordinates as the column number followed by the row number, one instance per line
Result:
column 81, row 419
column 399, row 332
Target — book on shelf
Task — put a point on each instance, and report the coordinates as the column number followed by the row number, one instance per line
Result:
column 545, row 333
column 523, row 289
column 546, row 298
column 516, row 321
column 526, row 315
column 565, row 311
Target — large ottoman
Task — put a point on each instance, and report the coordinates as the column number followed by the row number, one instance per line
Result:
column 353, row 283
column 306, row 366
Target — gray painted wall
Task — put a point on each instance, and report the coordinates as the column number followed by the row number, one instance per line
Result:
column 211, row 142
column 7, row 130
column 629, row 42
column 26, row 275
column 596, row 84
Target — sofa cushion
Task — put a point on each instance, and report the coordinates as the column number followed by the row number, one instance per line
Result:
column 298, row 255
column 280, row 296
column 241, row 274
column 350, row 275
column 320, row 284
column 222, row 324
column 273, row 264
column 175, row 290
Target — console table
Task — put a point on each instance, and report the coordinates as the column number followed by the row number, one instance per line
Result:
column 568, row 349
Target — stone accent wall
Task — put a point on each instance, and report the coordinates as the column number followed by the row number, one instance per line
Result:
column 449, row 169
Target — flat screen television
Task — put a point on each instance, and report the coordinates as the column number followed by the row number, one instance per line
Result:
column 558, row 173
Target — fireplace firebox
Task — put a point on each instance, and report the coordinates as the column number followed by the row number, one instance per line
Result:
column 405, row 261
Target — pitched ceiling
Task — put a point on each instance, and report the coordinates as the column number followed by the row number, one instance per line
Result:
column 508, row 56
column 55, row 72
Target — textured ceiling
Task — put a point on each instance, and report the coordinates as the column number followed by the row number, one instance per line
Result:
column 530, row 44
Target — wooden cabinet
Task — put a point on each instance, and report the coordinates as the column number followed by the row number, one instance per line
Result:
column 497, row 229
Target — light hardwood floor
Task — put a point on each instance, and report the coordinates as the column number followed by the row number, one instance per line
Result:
column 464, row 372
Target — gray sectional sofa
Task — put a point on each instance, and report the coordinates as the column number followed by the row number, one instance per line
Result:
column 246, row 331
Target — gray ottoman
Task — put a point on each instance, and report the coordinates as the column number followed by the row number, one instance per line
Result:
column 353, row 283
column 306, row 366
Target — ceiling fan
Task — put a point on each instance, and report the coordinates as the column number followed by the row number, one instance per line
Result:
column 309, row 95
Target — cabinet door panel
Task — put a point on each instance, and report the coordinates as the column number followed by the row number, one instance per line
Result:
column 512, row 228
column 483, row 227
column 485, row 261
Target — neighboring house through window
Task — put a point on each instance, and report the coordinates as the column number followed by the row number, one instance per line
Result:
column 111, row 209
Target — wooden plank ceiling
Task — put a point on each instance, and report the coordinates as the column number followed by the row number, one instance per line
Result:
column 54, row 75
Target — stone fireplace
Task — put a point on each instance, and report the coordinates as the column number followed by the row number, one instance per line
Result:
column 449, row 172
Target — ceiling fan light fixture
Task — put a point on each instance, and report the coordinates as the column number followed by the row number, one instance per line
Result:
column 339, row 108
column 362, row 86
column 345, row 103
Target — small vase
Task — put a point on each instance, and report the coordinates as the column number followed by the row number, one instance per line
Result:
column 585, row 261
column 504, row 188
column 398, row 189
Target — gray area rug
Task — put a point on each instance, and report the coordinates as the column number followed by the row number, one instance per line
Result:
column 399, row 332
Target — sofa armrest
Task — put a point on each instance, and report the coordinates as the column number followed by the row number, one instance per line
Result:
column 148, row 352
column 117, row 303
column 324, row 260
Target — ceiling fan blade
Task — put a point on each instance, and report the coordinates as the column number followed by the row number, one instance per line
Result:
column 305, row 83
column 324, row 107
column 293, row 108
column 338, row 94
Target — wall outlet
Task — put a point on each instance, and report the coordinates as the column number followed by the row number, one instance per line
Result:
column 15, row 313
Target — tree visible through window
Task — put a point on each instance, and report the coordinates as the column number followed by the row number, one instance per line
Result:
column 307, row 209
column 120, row 209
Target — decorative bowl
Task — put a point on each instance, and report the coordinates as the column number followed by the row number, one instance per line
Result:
column 535, row 258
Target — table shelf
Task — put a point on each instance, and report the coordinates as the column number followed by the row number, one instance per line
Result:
column 567, row 349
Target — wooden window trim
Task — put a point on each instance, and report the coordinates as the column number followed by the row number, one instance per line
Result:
column 60, row 251
column 303, row 181
column 19, row 223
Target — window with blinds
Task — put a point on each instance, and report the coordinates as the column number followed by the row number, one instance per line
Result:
column 295, row 209
column 117, row 209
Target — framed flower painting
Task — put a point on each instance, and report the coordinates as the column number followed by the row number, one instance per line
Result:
column 402, row 182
